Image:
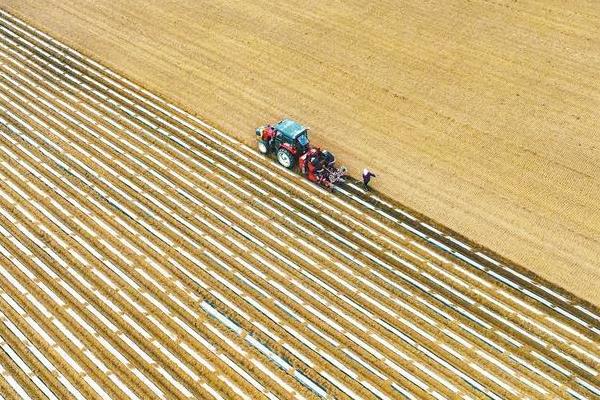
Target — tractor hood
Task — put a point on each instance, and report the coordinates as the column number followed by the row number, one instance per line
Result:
column 289, row 128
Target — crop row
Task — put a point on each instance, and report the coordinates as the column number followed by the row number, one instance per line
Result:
column 153, row 103
column 187, row 173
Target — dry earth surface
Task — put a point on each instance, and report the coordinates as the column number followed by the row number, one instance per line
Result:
column 481, row 114
column 145, row 254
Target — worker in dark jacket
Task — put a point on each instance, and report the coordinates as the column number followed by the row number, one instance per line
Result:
column 367, row 175
column 328, row 159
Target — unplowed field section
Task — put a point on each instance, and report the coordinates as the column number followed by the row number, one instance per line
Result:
column 482, row 114
column 145, row 254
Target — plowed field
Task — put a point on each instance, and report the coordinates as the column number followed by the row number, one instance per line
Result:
column 145, row 254
column 481, row 114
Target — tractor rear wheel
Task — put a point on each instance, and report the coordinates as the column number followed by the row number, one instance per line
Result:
column 285, row 158
column 263, row 147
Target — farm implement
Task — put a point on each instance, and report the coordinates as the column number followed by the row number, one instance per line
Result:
column 288, row 141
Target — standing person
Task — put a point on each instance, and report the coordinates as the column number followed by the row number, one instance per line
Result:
column 367, row 175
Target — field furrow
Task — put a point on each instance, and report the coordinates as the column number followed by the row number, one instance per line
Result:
column 150, row 255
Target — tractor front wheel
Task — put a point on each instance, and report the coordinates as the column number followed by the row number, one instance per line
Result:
column 285, row 158
column 263, row 147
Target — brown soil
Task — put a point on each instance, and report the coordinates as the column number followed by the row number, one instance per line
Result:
column 482, row 115
column 141, row 229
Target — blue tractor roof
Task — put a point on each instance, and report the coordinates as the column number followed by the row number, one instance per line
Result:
column 289, row 128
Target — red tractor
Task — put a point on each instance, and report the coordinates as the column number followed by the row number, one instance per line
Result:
column 288, row 140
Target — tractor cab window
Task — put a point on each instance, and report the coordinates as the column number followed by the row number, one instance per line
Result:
column 302, row 140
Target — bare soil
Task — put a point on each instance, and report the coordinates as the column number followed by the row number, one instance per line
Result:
column 482, row 115
column 121, row 222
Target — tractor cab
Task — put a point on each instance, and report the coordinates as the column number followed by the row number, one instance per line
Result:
column 294, row 134
column 287, row 138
